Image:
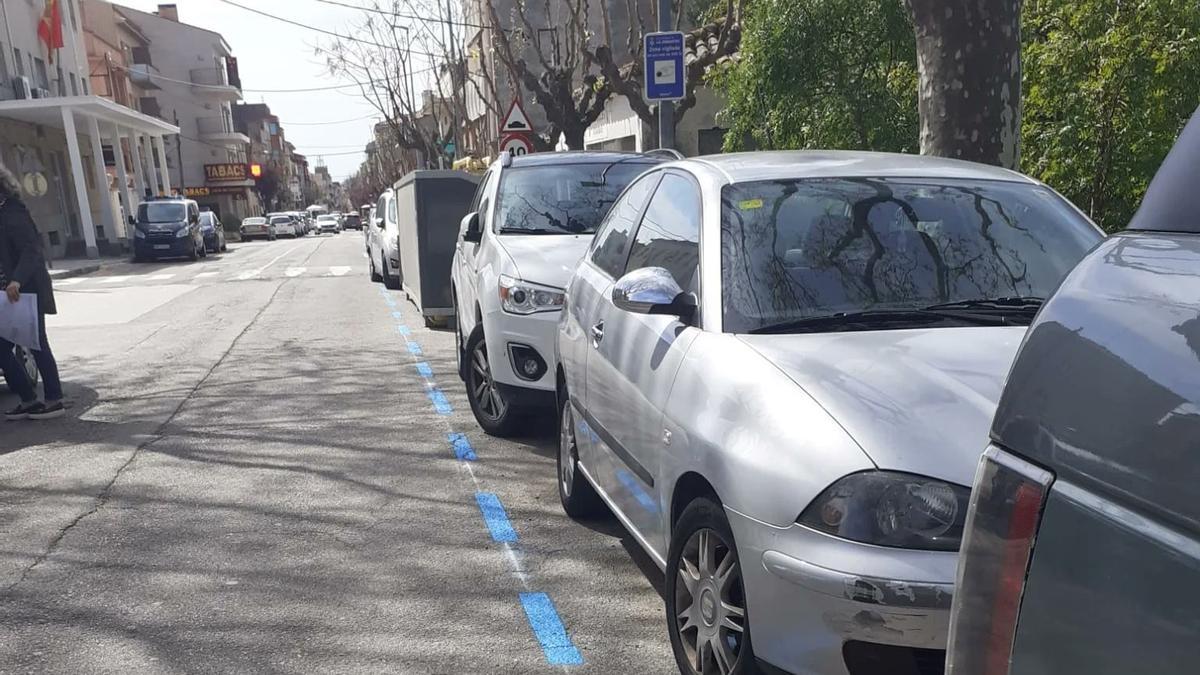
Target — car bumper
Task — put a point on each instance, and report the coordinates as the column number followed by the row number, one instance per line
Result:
column 514, row 337
column 810, row 595
column 329, row 228
column 285, row 231
column 255, row 232
column 163, row 248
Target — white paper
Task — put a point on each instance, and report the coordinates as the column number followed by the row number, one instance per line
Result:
column 19, row 321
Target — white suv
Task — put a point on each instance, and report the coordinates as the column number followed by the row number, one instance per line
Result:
column 530, row 223
column 383, row 241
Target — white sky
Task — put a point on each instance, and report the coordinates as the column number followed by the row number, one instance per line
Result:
column 275, row 55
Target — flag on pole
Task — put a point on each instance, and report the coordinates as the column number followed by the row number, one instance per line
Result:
column 50, row 28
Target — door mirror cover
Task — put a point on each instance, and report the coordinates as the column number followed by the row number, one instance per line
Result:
column 652, row 290
column 470, row 228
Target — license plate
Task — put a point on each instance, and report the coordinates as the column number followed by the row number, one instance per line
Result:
column 162, row 247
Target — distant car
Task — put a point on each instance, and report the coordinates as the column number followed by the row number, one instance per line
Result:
column 352, row 222
column 772, row 369
column 1081, row 554
column 257, row 226
column 168, row 228
column 383, row 244
column 530, row 222
column 328, row 224
column 284, row 225
column 213, row 231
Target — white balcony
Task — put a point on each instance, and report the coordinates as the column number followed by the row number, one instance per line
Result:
column 213, row 83
column 220, row 130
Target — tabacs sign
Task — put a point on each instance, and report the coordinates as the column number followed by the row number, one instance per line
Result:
column 218, row 173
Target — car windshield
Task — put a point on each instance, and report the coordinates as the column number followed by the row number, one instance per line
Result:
column 280, row 219
column 351, row 218
column 793, row 250
column 326, row 219
column 161, row 212
column 561, row 198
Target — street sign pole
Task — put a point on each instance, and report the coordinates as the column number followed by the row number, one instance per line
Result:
column 666, row 109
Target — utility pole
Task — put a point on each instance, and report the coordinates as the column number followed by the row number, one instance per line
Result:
column 666, row 109
column 179, row 156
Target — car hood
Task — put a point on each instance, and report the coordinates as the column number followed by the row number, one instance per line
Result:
column 548, row 259
column 917, row 400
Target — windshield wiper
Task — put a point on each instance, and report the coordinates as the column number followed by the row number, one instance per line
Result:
column 852, row 321
column 1016, row 303
column 531, row 230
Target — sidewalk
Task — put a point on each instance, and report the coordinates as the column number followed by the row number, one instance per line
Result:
column 73, row 267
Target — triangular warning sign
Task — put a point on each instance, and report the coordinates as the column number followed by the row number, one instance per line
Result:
column 515, row 120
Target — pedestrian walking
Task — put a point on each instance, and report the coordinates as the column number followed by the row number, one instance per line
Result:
column 24, row 264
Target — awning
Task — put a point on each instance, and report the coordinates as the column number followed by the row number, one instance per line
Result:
column 48, row 112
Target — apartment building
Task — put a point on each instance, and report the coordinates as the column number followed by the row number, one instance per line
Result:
column 53, row 129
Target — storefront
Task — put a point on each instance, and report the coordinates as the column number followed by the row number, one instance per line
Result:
column 228, row 191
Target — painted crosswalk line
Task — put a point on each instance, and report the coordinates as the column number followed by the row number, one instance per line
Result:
column 295, row 271
column 113, row 280
column 339, row 271
column 160, row 277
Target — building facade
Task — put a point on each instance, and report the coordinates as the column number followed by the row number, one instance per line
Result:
column 53, row 130
column 198, row 82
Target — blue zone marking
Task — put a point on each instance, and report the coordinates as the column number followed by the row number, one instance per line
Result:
column 404, row 330
column 496, row 517
column 397, row 315
column 440, row 403
column 462, row 447
column 424, row 369
column 549, row 630
column 414, row 348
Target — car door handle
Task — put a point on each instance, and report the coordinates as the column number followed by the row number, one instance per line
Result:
column 597, row 334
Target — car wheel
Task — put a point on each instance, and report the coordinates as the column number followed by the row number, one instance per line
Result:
column 25, row 358
column 374, row 271
column 390, row 281
column 706, row 602
column 579, row 498
column 494, row 414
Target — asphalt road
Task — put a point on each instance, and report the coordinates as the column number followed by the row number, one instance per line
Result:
column 260, row 473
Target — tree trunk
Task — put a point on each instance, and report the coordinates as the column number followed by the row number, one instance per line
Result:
column 969, row 60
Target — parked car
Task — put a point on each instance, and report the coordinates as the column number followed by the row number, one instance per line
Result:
column 531, row 220
column 257, row 226
column 772, row 369
column 1081, row 554
column 328, row 224
column 352, row 222
column 368, row 229
column 284, row 225
column 383, row 243
column 213, row 232
column 168, row 228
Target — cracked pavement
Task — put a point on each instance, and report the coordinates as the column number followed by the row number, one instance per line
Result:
column 252, row 478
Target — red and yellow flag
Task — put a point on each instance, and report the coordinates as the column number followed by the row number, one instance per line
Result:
column 50, row 28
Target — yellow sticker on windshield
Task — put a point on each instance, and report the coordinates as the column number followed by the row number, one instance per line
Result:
column 747, row 204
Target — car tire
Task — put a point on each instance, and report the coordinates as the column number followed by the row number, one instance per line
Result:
column 390, row 281
column 579, row 499
column 706, row 616
column 374, row 271
column 496, row 416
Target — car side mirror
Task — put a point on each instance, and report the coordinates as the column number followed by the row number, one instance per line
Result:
column 470, row 228
column 652, row 290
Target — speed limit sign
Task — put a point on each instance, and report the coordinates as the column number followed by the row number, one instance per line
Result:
column 516, row 144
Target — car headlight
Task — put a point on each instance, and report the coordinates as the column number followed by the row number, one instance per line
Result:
column 183, row 232
column 522, row 297
column 138, row 234
column 891, row 509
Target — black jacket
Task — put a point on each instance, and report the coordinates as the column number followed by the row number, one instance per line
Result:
column 21, row 254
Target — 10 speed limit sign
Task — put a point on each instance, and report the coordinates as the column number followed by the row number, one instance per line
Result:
column 516, row 144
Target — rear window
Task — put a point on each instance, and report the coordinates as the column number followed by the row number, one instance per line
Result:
column 254, row 221
column 561, row 198
column 352, row 218
column 280, row 219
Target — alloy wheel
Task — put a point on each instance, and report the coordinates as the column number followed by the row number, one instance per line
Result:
column 483, row 387
column 711, row 604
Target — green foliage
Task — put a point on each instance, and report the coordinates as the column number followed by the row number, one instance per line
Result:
column 1108, row 84
column 823, row 74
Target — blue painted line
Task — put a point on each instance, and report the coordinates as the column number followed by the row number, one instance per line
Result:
column 496, row 517
column 404, row 330
column 549, row 630
column 440, row 403
column 414, row 348
column 424, row 369
column 397, row 315
column 462, row 447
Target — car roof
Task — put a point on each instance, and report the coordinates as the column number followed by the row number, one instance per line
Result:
column 581, row 157
column 741, row 167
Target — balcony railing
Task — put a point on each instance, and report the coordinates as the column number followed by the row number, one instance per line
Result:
column 214, row 125
column 209, row 77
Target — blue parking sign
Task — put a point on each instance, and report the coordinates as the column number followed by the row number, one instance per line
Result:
column 662, row 66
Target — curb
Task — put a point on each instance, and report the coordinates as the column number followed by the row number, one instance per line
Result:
column 74, row 272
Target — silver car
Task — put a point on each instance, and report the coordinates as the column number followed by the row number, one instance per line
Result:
column 775, row 369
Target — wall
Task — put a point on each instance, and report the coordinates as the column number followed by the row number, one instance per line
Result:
column 697, row 132
column 20, row 19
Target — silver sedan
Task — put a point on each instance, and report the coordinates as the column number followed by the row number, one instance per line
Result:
column 776, row 369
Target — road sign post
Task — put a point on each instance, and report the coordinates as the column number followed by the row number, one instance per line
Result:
column 665, row 78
